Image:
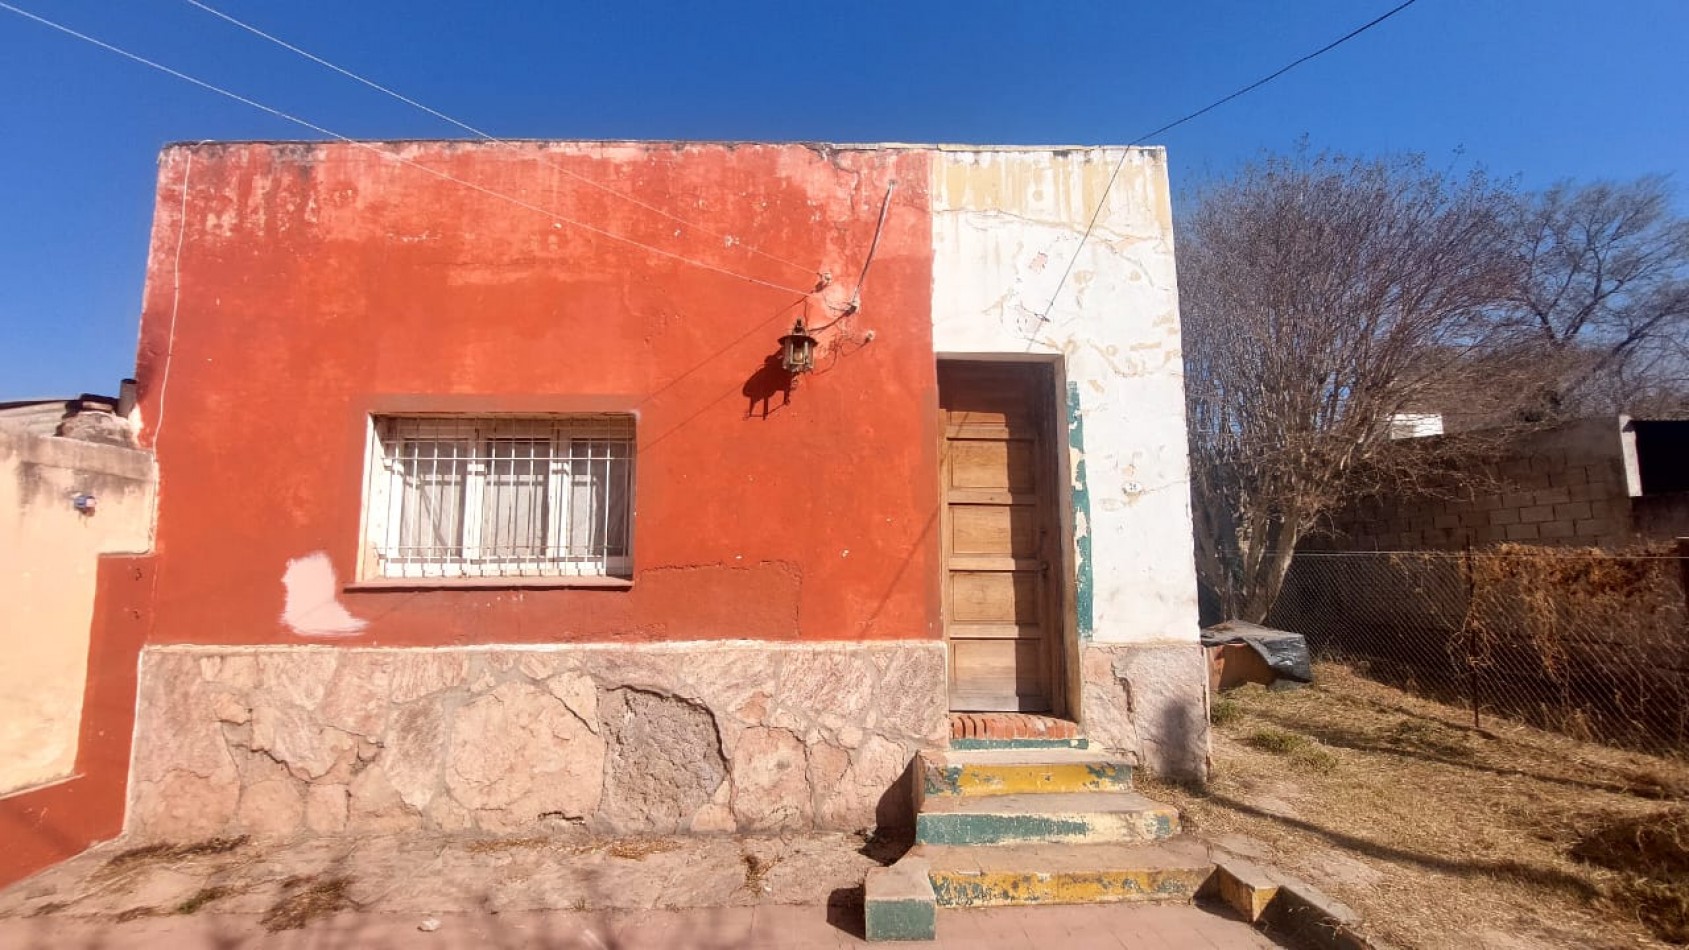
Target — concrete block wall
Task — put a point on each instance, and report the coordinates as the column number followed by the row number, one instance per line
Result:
column 1564, row 486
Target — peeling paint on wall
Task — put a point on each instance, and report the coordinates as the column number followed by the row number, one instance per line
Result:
column 1081, row 491
column 1006, row 225
column 311, row 609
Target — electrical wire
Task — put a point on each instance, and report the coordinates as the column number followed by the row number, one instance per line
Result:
column 1102, row 202
column 855, row 303
column 557, row 219
column 728, row 239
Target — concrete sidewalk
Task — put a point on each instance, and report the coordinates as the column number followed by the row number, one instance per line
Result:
column 1103, row 927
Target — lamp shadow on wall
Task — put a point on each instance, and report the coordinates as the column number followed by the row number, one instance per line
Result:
column 771, row 379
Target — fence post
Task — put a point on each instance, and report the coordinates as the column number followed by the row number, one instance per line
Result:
column 1472, row 652
column 1683, row 567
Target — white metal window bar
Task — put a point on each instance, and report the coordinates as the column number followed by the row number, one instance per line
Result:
column 501, row 497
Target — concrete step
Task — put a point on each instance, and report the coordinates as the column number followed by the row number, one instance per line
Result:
column 959, row 773
column 1172, row 870
column 1082, row 817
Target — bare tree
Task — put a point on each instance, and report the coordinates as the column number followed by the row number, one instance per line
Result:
column 1605, row 293
column 1322, row 296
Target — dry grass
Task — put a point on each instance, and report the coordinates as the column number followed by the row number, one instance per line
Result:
column 203, row 897
column 633, row 849
column 165, row 852
column 628, row 849
column 756, row 873
column 304, row 899
column 1440, row 836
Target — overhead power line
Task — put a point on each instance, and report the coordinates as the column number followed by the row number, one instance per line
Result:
column 487, row 136
column 557, row 219
column 1102, row 202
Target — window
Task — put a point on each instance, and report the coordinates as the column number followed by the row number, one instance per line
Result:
column 500, row 497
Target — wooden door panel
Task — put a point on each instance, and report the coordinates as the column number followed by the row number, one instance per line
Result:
column 994, row 530
column 996, row 597
column 998, row 674
column 992, row 464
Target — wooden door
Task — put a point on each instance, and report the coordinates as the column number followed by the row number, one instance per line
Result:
column 1000, row 600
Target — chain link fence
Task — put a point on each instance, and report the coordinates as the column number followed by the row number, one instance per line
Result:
column 1587, row 643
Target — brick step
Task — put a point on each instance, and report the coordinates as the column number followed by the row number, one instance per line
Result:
column 1172, row 870
column 1083, row 817
column 1013, row 730
column 954, row 773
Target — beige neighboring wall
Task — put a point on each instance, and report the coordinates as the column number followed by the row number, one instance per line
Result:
column 48, row 559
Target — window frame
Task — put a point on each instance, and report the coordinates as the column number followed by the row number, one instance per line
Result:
column 381, row 512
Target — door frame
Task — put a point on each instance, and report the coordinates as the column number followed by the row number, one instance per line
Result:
column 1063, row 659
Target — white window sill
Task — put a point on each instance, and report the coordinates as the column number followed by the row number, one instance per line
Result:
column 486, row 583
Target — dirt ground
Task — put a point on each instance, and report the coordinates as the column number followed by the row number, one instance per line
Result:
column 290, row 885
column 798, row 893
column 1441, row 836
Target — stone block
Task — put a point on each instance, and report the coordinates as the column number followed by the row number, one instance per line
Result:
column 1309, row 918
column 1554, row 530
column 1536, row 513
column 271, row 809
column 1550, row 496
column 663, row 761
column 1595, row 529
column 1148, row 699
column 1246, row 888
column 519, row 750
column 1522, row 532
column 1572, row 511
column 325, row 809
column 1569, row 477
column 898, row 902
column 1504, row 516
column 770, row 781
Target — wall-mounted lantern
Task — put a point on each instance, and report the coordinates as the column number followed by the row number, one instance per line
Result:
column 797, row 350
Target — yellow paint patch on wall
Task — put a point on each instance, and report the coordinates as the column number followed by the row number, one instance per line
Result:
column 48, row 558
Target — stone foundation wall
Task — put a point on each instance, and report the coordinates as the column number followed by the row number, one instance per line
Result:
column 1150, row 701
column 671, row 738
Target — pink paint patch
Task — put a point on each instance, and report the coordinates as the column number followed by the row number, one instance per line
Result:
column 1039, row 263
column 311, row 609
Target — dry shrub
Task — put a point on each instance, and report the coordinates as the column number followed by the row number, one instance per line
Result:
column 1578, row 640
column 1294, row 746
column 1651, row 852
column 1276, row 741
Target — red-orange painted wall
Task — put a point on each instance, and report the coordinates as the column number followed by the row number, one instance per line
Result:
column 316, row 283
column 45, row 825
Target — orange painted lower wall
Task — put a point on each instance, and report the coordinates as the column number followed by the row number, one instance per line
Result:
column 45, row 825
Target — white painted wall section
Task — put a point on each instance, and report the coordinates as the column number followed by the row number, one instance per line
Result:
column 1005, row 225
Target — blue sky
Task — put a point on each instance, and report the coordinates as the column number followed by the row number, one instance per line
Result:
column 1541, row 89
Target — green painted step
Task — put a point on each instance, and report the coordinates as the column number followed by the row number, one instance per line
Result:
column 1082, row 817
column 951, row 772
column 1007, row 875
